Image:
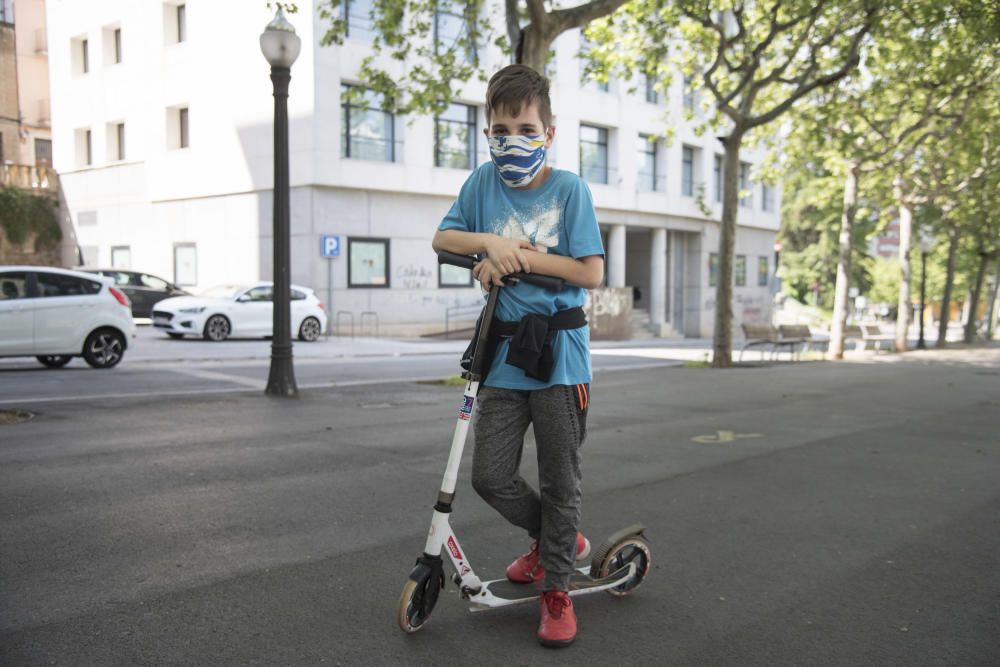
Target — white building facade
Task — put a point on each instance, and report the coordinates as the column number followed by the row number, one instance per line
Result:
column 162, row 134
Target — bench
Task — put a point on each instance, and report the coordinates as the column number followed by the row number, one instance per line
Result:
column 794, row 335
column 759, row 334
column 873, row 333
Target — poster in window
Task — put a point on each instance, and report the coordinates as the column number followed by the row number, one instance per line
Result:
column 368, row 262
column 185, row 265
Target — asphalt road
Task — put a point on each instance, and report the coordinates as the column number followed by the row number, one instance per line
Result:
column 800, row 514
column 156, row 367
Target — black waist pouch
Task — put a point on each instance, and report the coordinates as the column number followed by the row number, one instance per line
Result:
column 531, row 340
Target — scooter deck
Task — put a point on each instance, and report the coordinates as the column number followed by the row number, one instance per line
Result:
column 579, row 581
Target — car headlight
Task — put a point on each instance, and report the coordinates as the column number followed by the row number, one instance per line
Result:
column 193, row 310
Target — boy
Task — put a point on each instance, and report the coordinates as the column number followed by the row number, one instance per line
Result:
column 525, row 216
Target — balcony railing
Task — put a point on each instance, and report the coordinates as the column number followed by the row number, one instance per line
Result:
column 29, row 177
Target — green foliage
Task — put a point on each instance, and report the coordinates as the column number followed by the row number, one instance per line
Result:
column 23, row 214
column 413, row 69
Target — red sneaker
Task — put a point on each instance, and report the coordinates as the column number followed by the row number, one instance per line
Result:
column 528, row 568
column 558, row 624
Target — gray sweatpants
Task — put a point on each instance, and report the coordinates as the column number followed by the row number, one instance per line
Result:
column 559, row 416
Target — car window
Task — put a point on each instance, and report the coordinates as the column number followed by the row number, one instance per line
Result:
column 57, row 284
column 152, row 282
column 119, row 277
column 297, row 295
column 259, row 294
column 13, row 285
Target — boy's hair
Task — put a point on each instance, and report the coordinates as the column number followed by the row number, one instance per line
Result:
column 516, row 86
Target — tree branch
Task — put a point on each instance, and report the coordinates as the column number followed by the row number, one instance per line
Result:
column 577, row 17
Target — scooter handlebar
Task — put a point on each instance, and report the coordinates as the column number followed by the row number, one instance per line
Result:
column 467, row 262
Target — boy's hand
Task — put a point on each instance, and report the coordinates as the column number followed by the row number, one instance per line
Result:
column 487, row 274
column 508, row 255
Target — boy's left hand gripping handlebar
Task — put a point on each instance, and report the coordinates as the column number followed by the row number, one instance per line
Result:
column 467, row 262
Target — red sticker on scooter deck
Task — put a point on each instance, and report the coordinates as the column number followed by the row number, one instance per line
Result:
column 466, row 412
column 453, row 548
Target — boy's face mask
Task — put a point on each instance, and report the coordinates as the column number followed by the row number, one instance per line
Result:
column 517, row 158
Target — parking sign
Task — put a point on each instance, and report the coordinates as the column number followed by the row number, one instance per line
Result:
column 329, row 246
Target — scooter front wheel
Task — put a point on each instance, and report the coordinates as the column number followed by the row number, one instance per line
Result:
column 417, row 602
column 614, row 556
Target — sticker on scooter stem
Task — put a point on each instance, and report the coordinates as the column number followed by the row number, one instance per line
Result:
column 453, row 548
column 466, row 412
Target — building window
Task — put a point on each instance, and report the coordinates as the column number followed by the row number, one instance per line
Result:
column 450, row 28
column 745, row 199
column 367, row 262
column 649, row 88
column 713, row 269
column 115, row 133
column 647, row 163
column 185, row 264
column 43, row 152
column 180, row 16
column 454, row 276
column 84, row 147
column 6, row 11
column 183, row 127
column 357, row 17
column 368, row 131
column 588, row 81
column 118, row 45
column 455, row 137
column 594, row 154
column 687, row 171
column 718, row 179
column 121, row 257
column 740, row 269
column 763, row 271
column 689, row 95
column 766, row 197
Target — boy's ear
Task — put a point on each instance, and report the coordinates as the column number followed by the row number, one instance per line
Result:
column 550, row 135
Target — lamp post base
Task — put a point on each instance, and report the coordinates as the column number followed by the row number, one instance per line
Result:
column 281, row 379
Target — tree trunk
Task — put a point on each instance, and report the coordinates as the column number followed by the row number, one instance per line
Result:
column 905, row 236
column 534, row 47
column 722, row 336
column 949, row 282
column 970, row 324
column 991, row 314
column 844, row 261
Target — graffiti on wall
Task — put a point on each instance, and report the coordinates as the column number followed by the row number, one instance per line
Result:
column 413, row 276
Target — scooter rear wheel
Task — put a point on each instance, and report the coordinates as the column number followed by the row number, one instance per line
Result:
column 416, row 603
column 613, row 557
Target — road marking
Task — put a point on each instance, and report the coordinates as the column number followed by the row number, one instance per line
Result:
column 724, row 436
column 224, row 377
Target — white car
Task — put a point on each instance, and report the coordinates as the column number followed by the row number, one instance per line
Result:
column 55, row 315
column 238, row 310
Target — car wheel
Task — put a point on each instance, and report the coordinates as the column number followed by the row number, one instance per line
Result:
column 310, row 329
column 104, row 348
column 54, row 360
column 175, row 336
column 216, row 328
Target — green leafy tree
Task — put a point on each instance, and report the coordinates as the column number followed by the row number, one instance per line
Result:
column 755, row 60
column 923, row 65
column 417, row 70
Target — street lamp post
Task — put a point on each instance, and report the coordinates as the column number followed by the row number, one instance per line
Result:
column 280, row 46
column 926, row 245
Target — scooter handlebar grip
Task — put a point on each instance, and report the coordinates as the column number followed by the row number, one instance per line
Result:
column 468, row 261
column 464, row 261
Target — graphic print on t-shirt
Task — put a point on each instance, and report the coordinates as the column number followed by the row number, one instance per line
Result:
column 539, row 225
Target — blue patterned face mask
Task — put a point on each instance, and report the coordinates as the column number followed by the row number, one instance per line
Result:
column 517, row 158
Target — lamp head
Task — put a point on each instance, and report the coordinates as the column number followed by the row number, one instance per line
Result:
column 279, row 43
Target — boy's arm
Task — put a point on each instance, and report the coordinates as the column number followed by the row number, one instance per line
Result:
column 507, row 254
column 586, row 272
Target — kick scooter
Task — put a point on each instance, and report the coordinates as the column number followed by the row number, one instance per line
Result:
column 618, row 566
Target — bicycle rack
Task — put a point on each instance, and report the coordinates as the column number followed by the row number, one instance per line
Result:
column 349, row 314
column 371, row 314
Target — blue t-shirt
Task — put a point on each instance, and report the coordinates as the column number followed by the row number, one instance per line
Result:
column 558, row 218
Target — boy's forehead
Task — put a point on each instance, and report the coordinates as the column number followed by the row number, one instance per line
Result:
column 526, row 113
